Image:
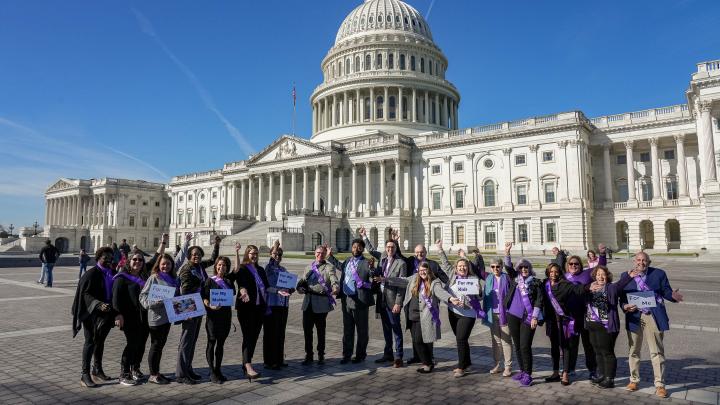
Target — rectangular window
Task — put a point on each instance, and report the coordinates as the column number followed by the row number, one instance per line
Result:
column 521, row 194
column 156, row 242
column 644, row 156
column 437, row 233
column 132, row 202
column 157, row 203
column 144, row 222
column 435, row 169
column 647, row 192
column 621, row 159
column 145, row 203
column 519, row 160
column 190, row 218
column 490, row 235
column 522, row 233
column 180, row 219
column 459, row 199
column 623, row 192
column 549, row 192
column 214, row 194
column 669, row 154
column 157, row 222
column 548, row 156
column 131, row 222
column 436, row 200
column 550, row 232
column 458, row 166
column 144, row 241
column 672, row 189
column 460, row 235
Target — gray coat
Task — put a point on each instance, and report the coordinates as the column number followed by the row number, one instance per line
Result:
column 156, row 309
column 430, row 331
column 315, row 296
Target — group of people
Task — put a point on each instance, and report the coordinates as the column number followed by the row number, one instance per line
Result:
column 575, row 303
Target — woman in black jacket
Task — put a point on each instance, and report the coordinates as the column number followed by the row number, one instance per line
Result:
column 218, row 320
column 251, row 303
column 524, row 303
column 133, row 317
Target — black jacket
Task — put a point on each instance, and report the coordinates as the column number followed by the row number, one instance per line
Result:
column 564, row 291
column 49, row 254
column 90, row 293
column 126, row 302
column 245, row 279
column 534, row 289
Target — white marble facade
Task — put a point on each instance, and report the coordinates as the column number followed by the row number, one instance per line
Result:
column 386, row 152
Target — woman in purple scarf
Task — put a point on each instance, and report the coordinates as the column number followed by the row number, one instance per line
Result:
column 494, row 293
column 219, row 319
column 251, row 304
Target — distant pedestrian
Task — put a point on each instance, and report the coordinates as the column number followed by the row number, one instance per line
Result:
column 48, row 256
column 84, row 258
column 123, row 247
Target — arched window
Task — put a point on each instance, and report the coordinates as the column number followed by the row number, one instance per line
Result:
column 489, row 193
column 412, row 62
column 391, row 61
column 402, row 62
column 430, row 66
column 340, row 69
column 379, row 107
column 367, row 108
column 404, row 108
column 357, row 64
column 378, row 61
column 367, row 62
column 422, row 65
column 392, row 113
column 347, row 66
column 317, row 239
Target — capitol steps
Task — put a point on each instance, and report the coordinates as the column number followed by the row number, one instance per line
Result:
column 255, row 234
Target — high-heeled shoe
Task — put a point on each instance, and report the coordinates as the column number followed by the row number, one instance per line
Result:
column 250, row 376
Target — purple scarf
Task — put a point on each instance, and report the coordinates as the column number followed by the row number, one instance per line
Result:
column 135, row 279
column 108, row 277
column 353, row 272
column 220, row 282
column 167, row 279
column 417, row 264
column 435, row 312
column 642, row 286
column 321, row 281
column 568, row 323
column 475, row 304
column 502, row 290
column 525, row 298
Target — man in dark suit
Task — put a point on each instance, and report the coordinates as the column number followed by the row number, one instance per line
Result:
column 648, row 324
column 357, row 298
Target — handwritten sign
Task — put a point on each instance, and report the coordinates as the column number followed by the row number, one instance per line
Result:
column 642, row 299
column 159, row 292
column 468, row 286
column 287, row 280
column 184, row 307
column 221, row 297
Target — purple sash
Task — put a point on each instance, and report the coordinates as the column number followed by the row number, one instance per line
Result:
column 135, row 279
column 525, row 298
column 108, row 277
column 387, row 267
column 353, row 272
column 417, row 264
column 595, row 316
column 221, row 283
column 502, row 290
column 259, row 285
column 642, row 286
column 321, row 281
column 475, row 304
column 568, row 323
column 571, row 277
column 435, row 312
column 167, row 279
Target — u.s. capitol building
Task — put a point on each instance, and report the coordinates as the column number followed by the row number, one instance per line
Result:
column 386, row 152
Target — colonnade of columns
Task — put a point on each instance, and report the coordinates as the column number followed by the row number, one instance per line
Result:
column 77, row 210
column 382, row 104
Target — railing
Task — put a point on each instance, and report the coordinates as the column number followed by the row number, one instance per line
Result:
column 708, row 66
column 672, row 203
column 620, row 205
column 653, row 114
column 490, row 246
column 285, row 230
column 646, row 204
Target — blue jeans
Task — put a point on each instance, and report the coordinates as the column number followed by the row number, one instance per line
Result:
column 47, row 269
column 83, row 268
column 391, row 326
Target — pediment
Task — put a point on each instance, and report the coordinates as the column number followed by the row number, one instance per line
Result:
column 62, row 184
column 285, row 148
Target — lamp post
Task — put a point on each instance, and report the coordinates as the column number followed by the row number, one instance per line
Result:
column 11, row 229
column 35, row 227
column 214, row 219
column 284, row 218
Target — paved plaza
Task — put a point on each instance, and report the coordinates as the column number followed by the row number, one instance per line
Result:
column 41, row 360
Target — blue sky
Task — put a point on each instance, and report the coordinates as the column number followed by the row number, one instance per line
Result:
column 155, row 89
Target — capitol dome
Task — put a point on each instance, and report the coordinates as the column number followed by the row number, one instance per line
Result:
column 384, row 73
column 375, row 16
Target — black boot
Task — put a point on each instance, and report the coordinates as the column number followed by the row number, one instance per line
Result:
column 597, row 380
column 86, row 381
column 308, row 360
column 321, row 359
column 98, row 375
column 607, row 383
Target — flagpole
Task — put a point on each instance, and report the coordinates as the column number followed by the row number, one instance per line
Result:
column 293, row 113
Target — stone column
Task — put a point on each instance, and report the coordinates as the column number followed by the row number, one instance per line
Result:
column 293, row 186
column 451, row 112
column 681, row 166
column 447, row 201
column 471, row 201
column 414, row 105
column 400, row 105
column 563, row 193
column 632, row 199
column 305, row 190
column 77, row 210
column 607, row 173
column 428, row 198
column 260, row 202
column 436, row 113
column 382, row 188
column 386, row 105
column 283, row 211
column 508, row 205
column 346, row 109
column 573, row 164
column 358, row 106
column 353, row 190
column 243, row 207
column 706, row 147
column 314, row 118
column 398, row 171
column 316, row 199
column 250, row 208
column 427, row 107
column 368, row 200
column 341, row 199
column 405, row 188
column 655, row 170
column 326, row 116
column 47, row 212
column 416, row 186
column 329, row 203
column 333, row 116
column 271, row 200
column 446, row 113
column 373, row 108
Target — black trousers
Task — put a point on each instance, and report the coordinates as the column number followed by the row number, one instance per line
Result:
column 424, row 350
column 462, row 327
column 214, row 352
column 522, row 336
column 251, row 322
column 604, row 344
column 95, row 333
column 274, row 336
column 558, row 344
column 311, row 319
column 186, row 347
column 158, row 338
column 144, row 332
column 590, row 361
column 355, row 320
column 133, row 341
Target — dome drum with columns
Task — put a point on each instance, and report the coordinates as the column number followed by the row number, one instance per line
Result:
column 386, row 152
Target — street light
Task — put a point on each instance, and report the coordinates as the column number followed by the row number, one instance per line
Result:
column 627, row 239
column 35, row 227
column 11, row 229
column 284, row 218
column 214, row 219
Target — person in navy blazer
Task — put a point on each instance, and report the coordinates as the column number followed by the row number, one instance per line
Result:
column 648, row 324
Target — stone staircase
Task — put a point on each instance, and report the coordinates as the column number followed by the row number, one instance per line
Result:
column 255, row 234
column 14, row 246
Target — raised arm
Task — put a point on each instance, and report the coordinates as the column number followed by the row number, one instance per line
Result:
column 215, row 253
column 331, row 259
column 444, row 262
column 507, row 261
column 369, row 245
column 478, row 264
column 182, row 255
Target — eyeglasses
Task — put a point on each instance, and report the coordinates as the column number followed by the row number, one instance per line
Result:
column 137, row 259
column 523, row 267
column 494, row 267
column 573, row 264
